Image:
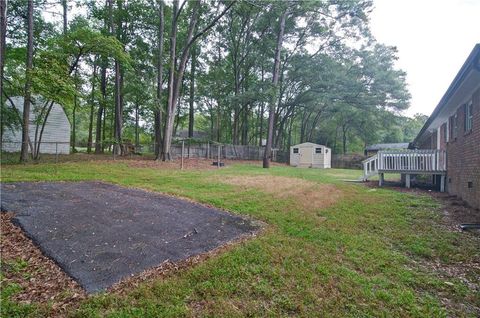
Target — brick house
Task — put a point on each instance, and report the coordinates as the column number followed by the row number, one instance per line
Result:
column 448, row 146
column 454, row 126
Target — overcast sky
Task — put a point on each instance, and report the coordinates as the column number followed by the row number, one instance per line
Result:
column 433, row 37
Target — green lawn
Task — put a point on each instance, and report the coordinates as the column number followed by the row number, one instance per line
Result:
column 367, row 255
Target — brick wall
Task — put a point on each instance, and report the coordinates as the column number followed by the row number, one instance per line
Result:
column 463, row 157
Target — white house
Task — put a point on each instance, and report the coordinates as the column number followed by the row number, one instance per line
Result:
column 56, row 135
column 310, row 155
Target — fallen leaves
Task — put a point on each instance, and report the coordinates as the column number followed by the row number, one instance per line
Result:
column 40, row 279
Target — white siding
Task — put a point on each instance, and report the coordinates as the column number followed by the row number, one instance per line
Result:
column 56, row 135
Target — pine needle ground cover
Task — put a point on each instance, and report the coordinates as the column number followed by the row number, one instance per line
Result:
column 330, row 249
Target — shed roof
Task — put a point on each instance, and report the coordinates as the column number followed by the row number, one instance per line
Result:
column 398, row 145
column 309, row 144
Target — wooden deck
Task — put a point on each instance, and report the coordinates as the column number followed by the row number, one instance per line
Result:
column 407, row 162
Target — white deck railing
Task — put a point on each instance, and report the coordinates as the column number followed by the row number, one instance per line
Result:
column 403, row 161
column 423, row 160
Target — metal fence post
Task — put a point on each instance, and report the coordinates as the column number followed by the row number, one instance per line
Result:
column 56, row 152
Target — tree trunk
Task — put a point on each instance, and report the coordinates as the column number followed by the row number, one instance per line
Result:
column 191, row 101
column 236, row 115
column 65, row 18
column 344, row 138
column 104, row 129
column 38, row 141
column 3, row 29
column 262, row 111
column 92, row 108
column 100, row 129
column 137, row 117
column 118, row 116
column 334, row 150
column 159, row 109
column 74, row 126
column 245, row 110
column 176, row 75
column 27, row 95
column 117, row 126
column 102, row 111
column 167, row 135
column 3, row 34
column 276, row 70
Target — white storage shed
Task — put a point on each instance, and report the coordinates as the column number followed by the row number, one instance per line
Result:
column 310, row 155
column 56, row 135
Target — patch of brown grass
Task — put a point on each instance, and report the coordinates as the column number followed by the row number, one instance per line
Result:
column 307, row 194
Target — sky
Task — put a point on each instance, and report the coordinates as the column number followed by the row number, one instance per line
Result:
column 433, row 38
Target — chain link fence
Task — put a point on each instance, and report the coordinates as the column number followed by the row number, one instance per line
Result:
column 63, row 151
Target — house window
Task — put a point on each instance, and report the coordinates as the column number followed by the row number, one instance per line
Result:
column 295, row 150
column 318, row 150
column 453, row 126
column 450, row 127
column 468, row 116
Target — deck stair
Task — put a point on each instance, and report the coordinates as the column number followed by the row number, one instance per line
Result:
column 370, row 167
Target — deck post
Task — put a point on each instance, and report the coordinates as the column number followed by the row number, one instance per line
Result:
column 381, row 180
column 407, row 180
column 442, row 183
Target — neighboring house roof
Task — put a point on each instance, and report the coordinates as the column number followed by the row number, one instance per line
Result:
column 308, row 144
column 376, row 147
column 470, row 73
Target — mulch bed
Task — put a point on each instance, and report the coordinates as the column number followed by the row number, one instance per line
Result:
column 41, row 279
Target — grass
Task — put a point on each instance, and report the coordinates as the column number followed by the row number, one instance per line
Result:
column 365, row 256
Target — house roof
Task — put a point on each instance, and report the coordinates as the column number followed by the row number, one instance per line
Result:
column 399, row 145
column 309, row 144
column 471, row 65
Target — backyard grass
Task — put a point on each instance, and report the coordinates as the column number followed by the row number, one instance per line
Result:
column 367, row 253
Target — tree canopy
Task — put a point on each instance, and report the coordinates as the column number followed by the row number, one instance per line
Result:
column 141, row 71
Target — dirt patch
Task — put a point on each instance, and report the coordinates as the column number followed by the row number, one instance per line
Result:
column 189, row 164
column 39, row 277
column 309, row 195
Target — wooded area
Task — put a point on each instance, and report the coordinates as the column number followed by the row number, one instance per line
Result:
column 246, row 72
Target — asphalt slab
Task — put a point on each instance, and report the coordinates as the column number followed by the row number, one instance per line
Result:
column 100, row 233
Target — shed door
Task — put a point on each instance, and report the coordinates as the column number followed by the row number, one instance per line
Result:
column 306, row 156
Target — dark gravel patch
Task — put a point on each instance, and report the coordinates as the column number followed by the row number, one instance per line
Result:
column 100, row 233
